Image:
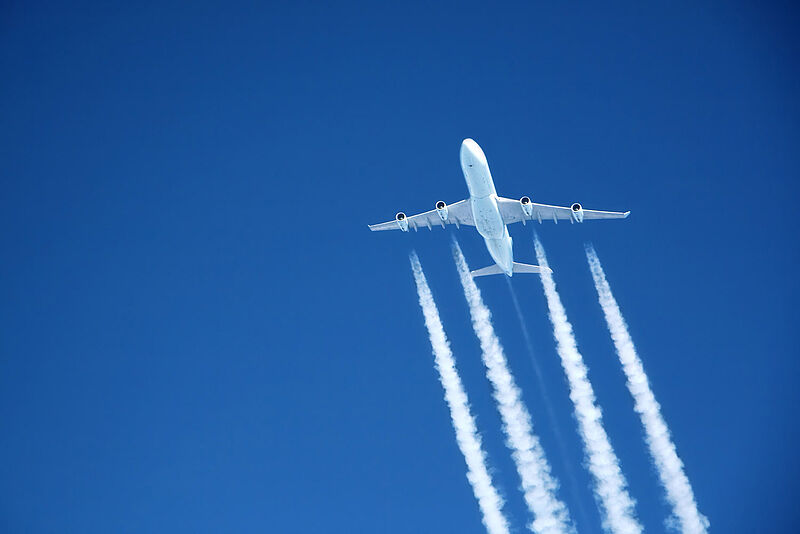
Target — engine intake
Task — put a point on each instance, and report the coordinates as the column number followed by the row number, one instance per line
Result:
column 577, row 212
column 402, row 222
column 441, row 209
column 527, row 206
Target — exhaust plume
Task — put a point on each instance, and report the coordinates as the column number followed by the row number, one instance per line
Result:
column 662, row 449
column 610, row 487
column 538, row 485
column 467, row 436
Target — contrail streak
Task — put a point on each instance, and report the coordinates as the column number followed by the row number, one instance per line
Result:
column 538, row 485
column 662, row 449
column 553, row 420
column 467, row 436
column 609, row 482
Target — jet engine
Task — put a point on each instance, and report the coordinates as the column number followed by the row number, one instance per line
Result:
column 441, row 209
column 527, row 206
column 577, row 212
column 402, row 222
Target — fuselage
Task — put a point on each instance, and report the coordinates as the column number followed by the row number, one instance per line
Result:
column 483, row 200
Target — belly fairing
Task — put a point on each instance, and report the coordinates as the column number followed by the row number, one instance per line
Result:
column 488, row 220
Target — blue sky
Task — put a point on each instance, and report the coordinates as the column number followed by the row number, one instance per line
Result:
column 199, row 334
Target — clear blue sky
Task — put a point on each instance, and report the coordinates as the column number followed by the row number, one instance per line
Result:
column 199, row 334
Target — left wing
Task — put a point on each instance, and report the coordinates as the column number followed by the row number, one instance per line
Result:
column 458, row 214
column 515, row 211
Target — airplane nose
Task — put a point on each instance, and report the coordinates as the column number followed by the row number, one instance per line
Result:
column 471, row 152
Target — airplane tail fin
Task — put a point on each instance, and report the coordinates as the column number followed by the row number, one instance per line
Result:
column 518, row 268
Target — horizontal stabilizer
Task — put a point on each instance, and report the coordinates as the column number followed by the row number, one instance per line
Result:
column 533, row 269
column 486, row 271
column 518, row 268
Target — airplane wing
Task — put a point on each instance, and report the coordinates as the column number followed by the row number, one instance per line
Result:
column 458, row 214
column 514, row 211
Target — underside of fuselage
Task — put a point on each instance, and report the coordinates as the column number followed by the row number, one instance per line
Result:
column 485, row 211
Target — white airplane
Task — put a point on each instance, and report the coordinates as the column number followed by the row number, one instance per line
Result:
column 490, row 214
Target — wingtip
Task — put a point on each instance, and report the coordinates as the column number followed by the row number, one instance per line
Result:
column 626, row 214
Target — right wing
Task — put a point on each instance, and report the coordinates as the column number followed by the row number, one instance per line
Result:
column 511, row 211
column 458, row 214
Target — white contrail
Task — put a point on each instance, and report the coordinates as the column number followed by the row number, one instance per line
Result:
column 467, row 436
column 609, row 482
column 662, row 450
column 552, row 419
column 538, row 485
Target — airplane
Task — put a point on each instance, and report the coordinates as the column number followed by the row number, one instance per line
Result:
column 490, row 214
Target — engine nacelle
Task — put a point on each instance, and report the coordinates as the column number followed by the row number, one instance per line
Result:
column 577, row 212
column 402, row 222
column 441, row 209
column 527, row 206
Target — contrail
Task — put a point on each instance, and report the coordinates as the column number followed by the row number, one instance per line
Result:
column 538, row 485
column 553, row 420
column 609, row 483
column 467, row 436
column 662, row 449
